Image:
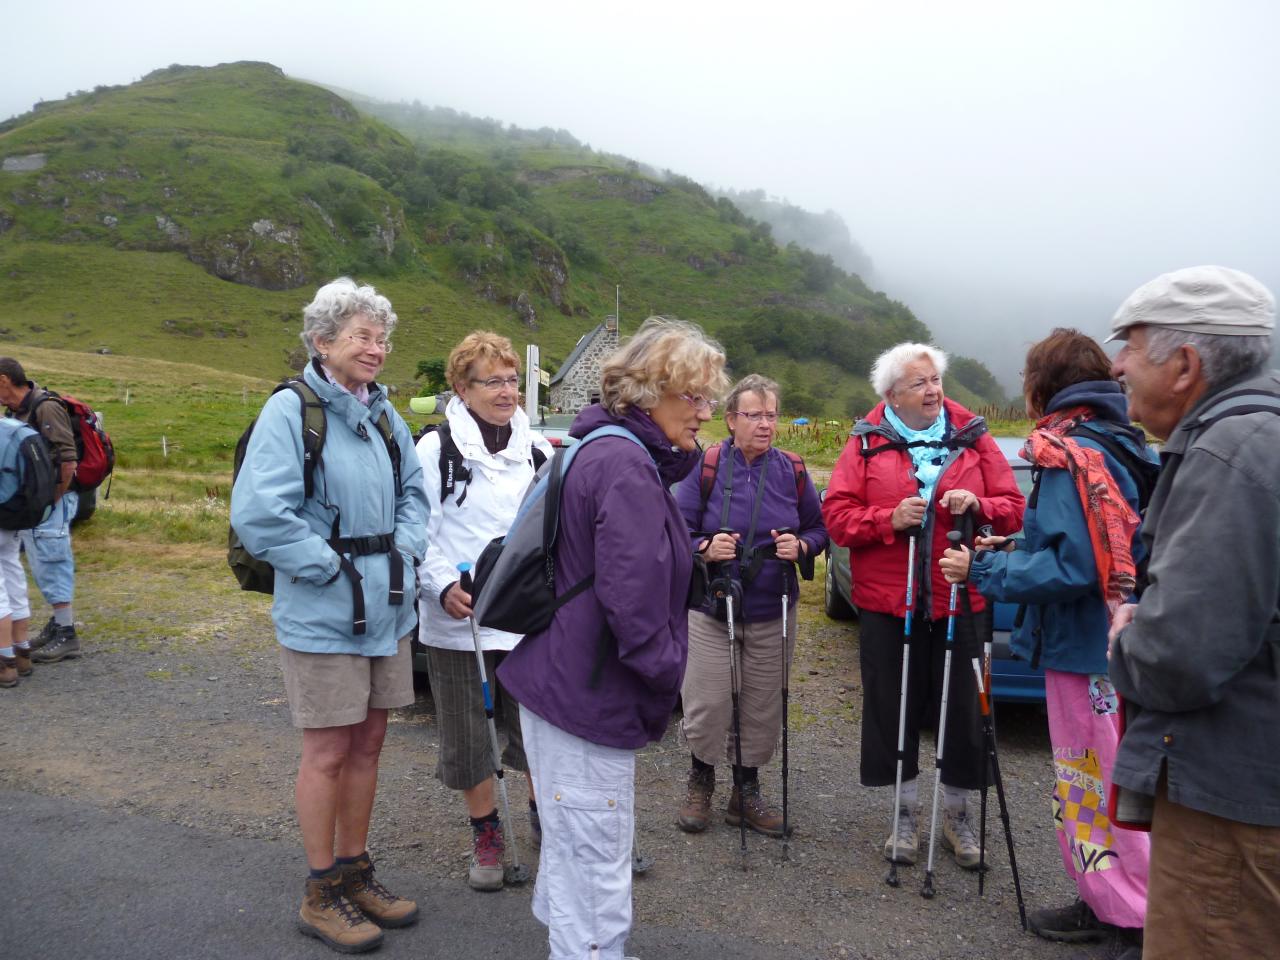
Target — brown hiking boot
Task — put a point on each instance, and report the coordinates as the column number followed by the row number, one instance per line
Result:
column 8, row 672
column 761, row 816
column 328, row 914
column 24, row 661
column 374, row 900
column 695, row 815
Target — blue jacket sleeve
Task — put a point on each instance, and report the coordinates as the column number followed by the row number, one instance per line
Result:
column 1057, row 564
column 267, row 498
column 413, row 507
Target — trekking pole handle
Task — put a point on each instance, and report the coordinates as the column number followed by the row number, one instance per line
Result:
column 955, row 536
column 464, row 576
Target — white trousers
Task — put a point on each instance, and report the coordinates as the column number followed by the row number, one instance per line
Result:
column 13, row 580
column 586, row 800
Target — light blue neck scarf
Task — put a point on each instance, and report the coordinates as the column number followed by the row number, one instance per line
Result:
column 928, row 460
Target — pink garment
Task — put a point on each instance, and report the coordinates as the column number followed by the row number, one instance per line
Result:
column 1108, row 865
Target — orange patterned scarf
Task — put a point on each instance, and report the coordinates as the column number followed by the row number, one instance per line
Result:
column 1110, row 519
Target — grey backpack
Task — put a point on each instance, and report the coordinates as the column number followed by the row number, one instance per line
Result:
column 514, row 585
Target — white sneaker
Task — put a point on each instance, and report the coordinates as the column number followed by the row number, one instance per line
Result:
column 959, row 838
column 908, row 838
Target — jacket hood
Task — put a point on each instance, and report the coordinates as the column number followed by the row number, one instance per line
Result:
column 1105, row 396
column 673, row 463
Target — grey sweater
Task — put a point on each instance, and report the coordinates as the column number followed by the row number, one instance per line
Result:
column 1201, row 660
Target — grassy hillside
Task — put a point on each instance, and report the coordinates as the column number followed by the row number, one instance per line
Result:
column 192, row 214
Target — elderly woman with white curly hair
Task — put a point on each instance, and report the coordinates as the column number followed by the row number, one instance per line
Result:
column 342, row 526
column 918, row 466
column 601, row 681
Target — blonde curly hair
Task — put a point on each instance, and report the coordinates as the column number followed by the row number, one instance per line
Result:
column 664, row 356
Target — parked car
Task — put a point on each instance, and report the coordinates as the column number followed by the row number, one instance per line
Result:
column 1012, row 679
column 555, row 427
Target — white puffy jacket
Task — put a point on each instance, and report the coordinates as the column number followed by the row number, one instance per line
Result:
column 458, row 533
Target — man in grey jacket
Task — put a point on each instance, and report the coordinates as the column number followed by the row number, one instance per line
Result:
column 1197, row 660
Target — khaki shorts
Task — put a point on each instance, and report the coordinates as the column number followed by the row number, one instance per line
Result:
column 337, row 689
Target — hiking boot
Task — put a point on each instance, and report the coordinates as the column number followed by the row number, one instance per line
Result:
column 695, row 815
column 45, row 635
column 8, row 672
column 485, row 872
column 908, row 838
column 374, row 900
column 1076, row 923
column 1122, row 943
column 66, row 645
column 959, row 838
column 23, row 658
column 761, row 816
column 328, row 914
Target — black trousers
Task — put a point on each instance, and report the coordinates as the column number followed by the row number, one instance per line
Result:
column 880, row 657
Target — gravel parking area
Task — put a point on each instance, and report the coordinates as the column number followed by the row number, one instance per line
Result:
column 196, row 732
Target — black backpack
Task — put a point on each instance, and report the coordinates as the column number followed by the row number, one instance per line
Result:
column 257, row 575
column 23, row 452
column 453, row 468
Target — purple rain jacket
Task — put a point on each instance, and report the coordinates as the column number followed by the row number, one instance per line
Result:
column 762, row 596
column 609, row 667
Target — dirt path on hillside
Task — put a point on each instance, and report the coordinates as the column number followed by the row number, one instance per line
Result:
column 193, row 728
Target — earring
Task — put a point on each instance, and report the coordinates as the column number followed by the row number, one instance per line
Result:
column 323, row 357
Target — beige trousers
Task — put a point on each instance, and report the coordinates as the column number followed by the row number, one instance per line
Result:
column 708, row 707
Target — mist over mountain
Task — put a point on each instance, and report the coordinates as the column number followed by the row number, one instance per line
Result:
column 195, row 211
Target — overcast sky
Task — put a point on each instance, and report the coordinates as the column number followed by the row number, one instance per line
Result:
column 1007, row 165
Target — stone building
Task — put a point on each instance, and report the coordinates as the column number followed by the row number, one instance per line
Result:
column 577, row 382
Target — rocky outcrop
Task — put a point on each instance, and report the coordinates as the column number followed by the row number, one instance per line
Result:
column 553, row 274
column 32, row 161
column 635, row 189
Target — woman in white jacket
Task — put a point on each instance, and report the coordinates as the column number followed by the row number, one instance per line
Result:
column 489, row 460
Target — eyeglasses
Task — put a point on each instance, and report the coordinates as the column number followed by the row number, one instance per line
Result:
column 757, row 416
column 365, row 341
column 699, row 402
column 497, row 383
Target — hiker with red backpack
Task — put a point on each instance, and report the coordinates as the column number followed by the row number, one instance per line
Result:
column 48, row 545
column 754, row 517
column 476, row 467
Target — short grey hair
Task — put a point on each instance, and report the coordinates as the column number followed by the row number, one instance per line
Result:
column 1222, row 358
column 335, row 304
column 892, row 364
column 751, row 383
column 663, row 356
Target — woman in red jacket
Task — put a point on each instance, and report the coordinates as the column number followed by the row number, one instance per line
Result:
column 917, row 460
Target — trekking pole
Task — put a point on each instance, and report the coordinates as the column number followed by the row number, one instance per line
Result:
column 786, row 677
column 517, row 872
column 728, row 589
column 989, row 740
column 984, row 678
column 786, row 695
column 891, row 878
column 926, row 890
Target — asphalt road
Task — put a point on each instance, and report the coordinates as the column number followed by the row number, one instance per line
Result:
column 81, row 883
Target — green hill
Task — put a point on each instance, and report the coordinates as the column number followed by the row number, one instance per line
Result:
column 190, row 215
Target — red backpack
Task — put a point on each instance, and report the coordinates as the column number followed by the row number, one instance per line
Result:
column 711, row 464
column 94, row 450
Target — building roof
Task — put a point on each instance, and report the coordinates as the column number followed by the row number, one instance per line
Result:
column 583, row 342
